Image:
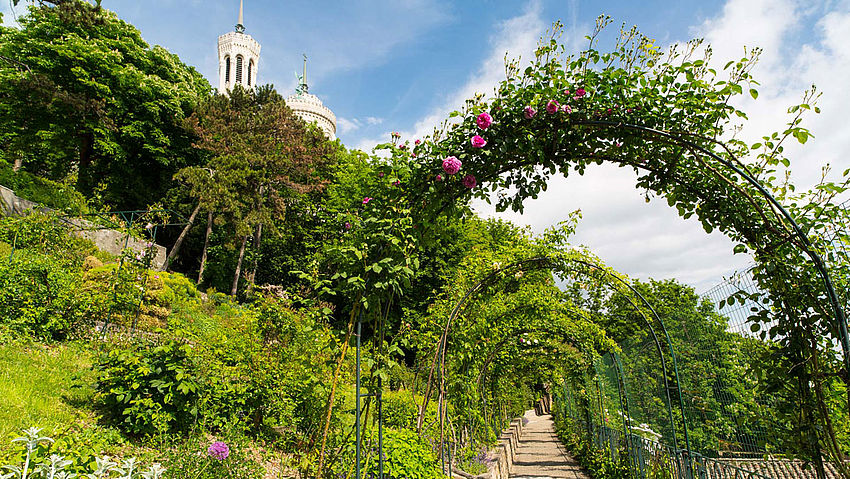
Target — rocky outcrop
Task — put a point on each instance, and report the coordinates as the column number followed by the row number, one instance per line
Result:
column 109, row 240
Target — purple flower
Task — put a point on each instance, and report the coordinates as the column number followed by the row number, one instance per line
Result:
column 484, row 120
column 478, row 142
column 366, row 200
column 381, row 174
column 528, row 112
column 347, row 225
column 552, row 106
column 469, row 181
column 451, row 165
column 218, row 450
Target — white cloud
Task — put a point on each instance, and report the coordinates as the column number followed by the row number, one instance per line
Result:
column 346, row 125
column 10, row 13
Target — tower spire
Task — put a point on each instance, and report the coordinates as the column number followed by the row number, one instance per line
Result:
column 304, row 75
column 240, row 27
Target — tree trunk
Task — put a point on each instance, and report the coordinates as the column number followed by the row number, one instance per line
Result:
column 258, row 236
column 206, row 247
column 239, row 266
column 177, row 244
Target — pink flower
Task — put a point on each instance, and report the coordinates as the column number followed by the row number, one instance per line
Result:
column 580, row 92
column 552, row 106
column 439, row 178
column 381, row 174
column 478, row 142
column 451, row 165
column 396, row 134
column 366, row 200
column 567, row 92
column 528, row 112
column 484, row 120
column 403, row 146
column 567, row 109
column 396, row 183
column 347, row 225
column 469, row 181
column 417, row 142
column 218, row 450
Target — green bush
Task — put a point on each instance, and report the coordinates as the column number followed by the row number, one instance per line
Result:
column 60, row 196
column 191, row 460
column 408, row 456
column 147, row 389
column 42, row 298
column 401, row 410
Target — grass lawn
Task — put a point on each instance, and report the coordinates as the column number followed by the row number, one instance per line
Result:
column 46, row 386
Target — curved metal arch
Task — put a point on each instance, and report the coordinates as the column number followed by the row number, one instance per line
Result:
column 805, row 246
column 677, row 138
column 543, row 262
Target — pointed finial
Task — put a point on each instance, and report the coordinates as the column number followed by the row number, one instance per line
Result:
column 304, row 75
column 239, row 25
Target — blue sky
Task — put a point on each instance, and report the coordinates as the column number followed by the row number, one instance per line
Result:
column 403, row 65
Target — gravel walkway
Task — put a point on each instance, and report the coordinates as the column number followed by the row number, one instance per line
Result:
column 541, row 454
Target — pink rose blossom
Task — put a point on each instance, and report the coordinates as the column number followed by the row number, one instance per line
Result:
column 439, row 177
column 484, row 120
column 402, row 146
column 552, row 106
column 396, row 183
column 478, row 142
column 528, row 112
column 451, row 165
column 567, row 109
column 366, row 200
column 567, row 92
column 469, row 181
column 417, row 142
column 580, row 92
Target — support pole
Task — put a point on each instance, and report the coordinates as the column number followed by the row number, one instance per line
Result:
column 357, row 394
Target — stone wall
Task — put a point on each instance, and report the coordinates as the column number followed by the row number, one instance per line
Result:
column 108, row 240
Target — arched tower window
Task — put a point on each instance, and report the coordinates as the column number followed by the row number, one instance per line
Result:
column 227, row 69
column 239, row 69
column 250, row 70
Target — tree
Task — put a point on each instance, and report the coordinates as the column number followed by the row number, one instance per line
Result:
column 264, row 158
column 81, row 91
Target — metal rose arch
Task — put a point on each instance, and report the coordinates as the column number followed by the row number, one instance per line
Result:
column 669, row 117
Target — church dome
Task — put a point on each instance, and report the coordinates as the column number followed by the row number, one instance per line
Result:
column 311, row 109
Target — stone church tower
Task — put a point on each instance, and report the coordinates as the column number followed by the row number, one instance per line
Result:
column 238, row 57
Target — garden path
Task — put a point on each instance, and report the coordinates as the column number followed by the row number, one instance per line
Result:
column 540, row 453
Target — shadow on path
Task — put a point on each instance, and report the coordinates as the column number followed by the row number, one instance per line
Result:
column 540, row 453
